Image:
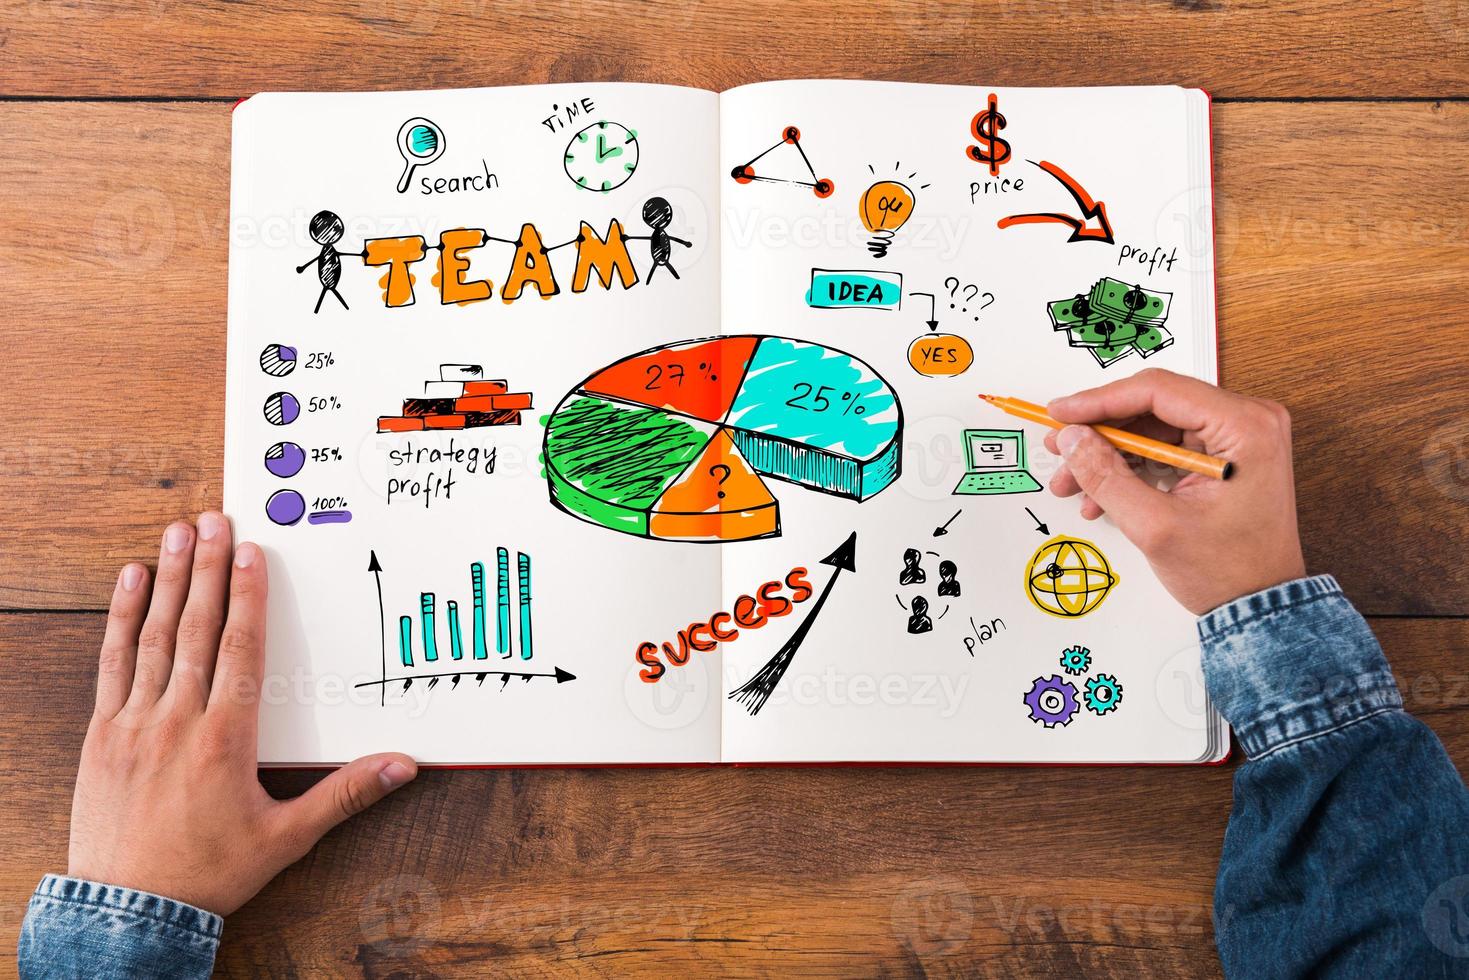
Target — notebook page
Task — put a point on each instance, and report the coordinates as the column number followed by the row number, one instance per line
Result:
column 434, row 589
column 854, row 214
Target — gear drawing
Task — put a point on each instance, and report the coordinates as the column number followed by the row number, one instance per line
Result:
column 1052, row 701
column 1076, row 660
column 1103, row 694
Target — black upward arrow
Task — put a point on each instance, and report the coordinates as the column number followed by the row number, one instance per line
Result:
column 757, row 690
column 932, row 321
column 382, row 626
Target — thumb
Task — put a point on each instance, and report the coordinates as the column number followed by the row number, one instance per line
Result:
column 1105, row 477
column 344, row 793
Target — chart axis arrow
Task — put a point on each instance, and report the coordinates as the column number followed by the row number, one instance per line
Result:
column 560, row 676
column 376, row 569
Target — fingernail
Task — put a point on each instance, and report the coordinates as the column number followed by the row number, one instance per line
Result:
column 394, row 774
column 245, row 555
column 131, row 576
column 210, row 524
column 1069, row 437
column 176, row 539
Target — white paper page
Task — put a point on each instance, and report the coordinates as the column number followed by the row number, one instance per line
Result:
column 594, row 593
column 862, row 686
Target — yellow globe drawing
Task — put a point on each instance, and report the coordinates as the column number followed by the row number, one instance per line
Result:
column 1068, row 577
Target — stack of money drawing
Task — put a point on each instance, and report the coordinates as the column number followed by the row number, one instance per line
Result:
column 1113, row 320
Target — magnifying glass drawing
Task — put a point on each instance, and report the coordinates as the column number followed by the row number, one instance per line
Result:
column 420, row 141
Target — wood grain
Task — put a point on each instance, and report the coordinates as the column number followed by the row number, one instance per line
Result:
column 1239, row 50
column 1343, row 248
column 1340, row 274
column 986, row 871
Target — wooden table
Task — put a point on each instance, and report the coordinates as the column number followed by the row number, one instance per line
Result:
column 1341, row 161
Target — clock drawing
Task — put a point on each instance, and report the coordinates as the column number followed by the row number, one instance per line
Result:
column 602, row 156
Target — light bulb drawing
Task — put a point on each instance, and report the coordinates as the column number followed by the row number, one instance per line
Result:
column 885, row 207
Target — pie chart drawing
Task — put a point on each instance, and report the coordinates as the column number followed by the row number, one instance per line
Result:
column 282, row 408
column 677, row 443
column 285, row 459
column 285, row 507
column 278, row 360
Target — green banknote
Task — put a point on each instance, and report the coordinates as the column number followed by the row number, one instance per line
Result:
column 1067, row 313
column 1101, row 332
column 1150, row 340
column 1106, row 355
column 1132, row 304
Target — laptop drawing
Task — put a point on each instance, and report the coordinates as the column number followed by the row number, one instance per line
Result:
column 995, row 463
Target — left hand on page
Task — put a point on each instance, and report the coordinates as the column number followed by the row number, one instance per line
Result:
column 167, row 797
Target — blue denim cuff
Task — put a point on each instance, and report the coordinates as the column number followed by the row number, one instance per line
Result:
column 87, row 929
column 1293, row 662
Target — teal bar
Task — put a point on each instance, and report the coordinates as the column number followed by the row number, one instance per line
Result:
column 502, row 602
column 430, row 644
column 522, row 562
column 477, row 580
column 405, row 640
column 456, row 650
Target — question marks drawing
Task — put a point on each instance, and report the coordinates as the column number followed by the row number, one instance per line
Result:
column 720, row 472
column 971, row 292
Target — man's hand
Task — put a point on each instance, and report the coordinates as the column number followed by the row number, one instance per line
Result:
column 1209, row 541
column 167, row 799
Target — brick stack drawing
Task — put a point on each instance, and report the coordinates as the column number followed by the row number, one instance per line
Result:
column 461, row 398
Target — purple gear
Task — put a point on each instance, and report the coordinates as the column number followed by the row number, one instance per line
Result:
column 1051, row 700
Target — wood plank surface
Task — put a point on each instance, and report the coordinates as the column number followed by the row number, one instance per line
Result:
column 1254, row 49
column 988, row 871
column 1343, row 251
column 1342, row 246
column 739, row 872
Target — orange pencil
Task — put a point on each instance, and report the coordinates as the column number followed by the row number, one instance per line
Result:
column 1162, row 452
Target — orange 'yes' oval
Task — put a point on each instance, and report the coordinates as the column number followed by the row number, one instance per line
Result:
column 940, row 355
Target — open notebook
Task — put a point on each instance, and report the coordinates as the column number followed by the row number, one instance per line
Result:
column 618, row 423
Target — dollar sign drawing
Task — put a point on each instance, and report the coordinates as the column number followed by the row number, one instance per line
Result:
column 986, row 126
column 1134, row 299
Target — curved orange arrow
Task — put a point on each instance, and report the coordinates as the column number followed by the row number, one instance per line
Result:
column 1080, row 230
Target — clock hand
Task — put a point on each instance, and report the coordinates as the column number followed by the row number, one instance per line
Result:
column 602, row 152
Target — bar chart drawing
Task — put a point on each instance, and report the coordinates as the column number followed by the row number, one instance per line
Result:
column 513, row 634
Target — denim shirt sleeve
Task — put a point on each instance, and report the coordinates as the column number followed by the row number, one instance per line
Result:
column 76, row 928
column 1346, row 853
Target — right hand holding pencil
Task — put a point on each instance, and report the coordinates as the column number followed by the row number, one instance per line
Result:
column 1209, row 541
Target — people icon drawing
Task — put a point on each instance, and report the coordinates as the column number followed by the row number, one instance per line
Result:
column 948, row 580
column 326, row 230
column 918, row 620
column 912, row 573
column 657, row 215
